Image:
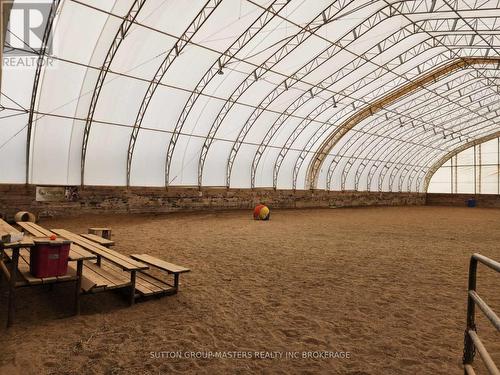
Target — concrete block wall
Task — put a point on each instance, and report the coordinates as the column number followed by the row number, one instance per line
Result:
column 99, row 199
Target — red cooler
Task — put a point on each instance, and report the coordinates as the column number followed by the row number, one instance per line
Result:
column 49, row 257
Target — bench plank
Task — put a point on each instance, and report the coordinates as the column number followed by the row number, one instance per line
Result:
column 119, row 259
column 76, row 251
column 100, row 240
column 161, row 264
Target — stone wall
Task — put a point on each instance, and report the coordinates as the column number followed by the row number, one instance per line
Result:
column 460, row 200
column 99, row 199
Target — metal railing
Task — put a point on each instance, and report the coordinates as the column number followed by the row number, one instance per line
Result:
column 472, row 343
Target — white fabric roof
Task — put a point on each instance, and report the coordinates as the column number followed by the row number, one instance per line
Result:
column 250, row 93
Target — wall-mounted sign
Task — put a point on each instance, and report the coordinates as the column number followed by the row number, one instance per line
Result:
column 56, row 193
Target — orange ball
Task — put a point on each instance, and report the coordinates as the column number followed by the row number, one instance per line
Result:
column 53, row 237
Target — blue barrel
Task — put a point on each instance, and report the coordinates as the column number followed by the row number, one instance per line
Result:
column 471, row 202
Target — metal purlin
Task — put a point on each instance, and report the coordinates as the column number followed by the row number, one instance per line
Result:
column 316, row 163
column 217, row 68
column 120, row 35
column 280, row 89
column 171, row 56
column 325, row 16
column 319, row 110
column 389, row 125
column 39, row 64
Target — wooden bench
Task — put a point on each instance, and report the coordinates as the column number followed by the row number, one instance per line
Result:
column 169, row 268
column 18, row 256
column 100, row 240
column 94, row 277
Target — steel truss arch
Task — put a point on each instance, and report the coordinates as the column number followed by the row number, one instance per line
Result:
column 373, row 141
column 410, row 153
column 373, row 146
column 183, row 41
column 421, row 171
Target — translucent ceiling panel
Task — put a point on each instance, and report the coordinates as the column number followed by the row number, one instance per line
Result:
column 148, row 164
column 189, row 67
column 240, row 177
column 226, row 24
column 214, row 172
column 49, row 163
column 149, row 50
column 13, row 146
column 107, row 155
column 234, row 121
column 285, row 176
column 489, row 179
column 119, row 100
column 440, row 182
column 58, row 96
column 184, row 165
column 93, row 40
column 465, row 177
column 264, row 171
column 164, row 108
column 169, row 16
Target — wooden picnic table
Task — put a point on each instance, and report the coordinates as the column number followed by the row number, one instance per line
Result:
column 19, row 276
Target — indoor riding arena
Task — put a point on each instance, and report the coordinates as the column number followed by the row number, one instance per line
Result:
column 250, row 187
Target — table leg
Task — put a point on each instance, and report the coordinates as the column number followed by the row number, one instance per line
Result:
column 176, row 282
column 132, row 287
column 78, row 286
column 12, row 287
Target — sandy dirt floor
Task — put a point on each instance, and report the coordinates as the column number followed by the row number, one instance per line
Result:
column 387, row 285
